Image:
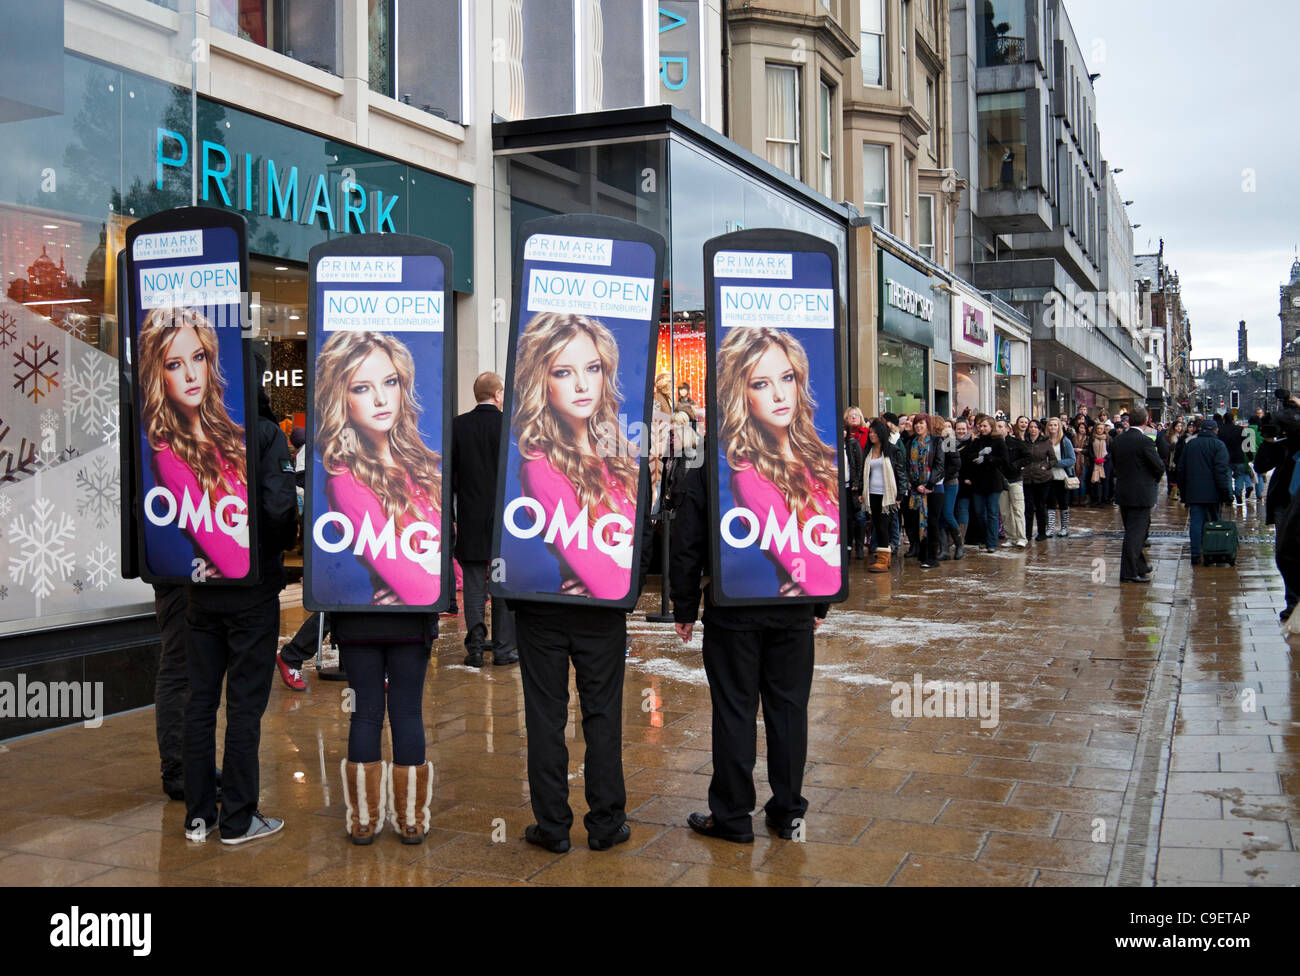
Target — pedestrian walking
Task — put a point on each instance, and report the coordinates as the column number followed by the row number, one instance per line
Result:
column 1233, row 437
column 1138, row 470
column 1058, row 510
column 886, row 484
column 853, row 508
column 1011, row 503
column 925, row 487
column 234, row 631
column 756, row 654
column 1038, row 472
column 988, row 461
column 476, row 451
column 1204, row 482
column 953, row 531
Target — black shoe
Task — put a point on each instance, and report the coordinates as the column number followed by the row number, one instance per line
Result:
column 174, row 788
column 1285, row 615
column 785, row 833
column 502, row 658
column 605, row 843
column 1040, row 538
column 533, row 834
column 1196, row 560
column 1135, row 579
column 928, row 564
column 703, row 823
column 474, row 659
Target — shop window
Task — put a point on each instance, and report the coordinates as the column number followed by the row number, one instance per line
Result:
column 309, row 31
column 907, row 199
column 548, row 51
column 1002, row 132
column 616, row 55
column 1000, row 32
column 925, row 225
column 875, row 183
column 871, row 43
column 783, row 118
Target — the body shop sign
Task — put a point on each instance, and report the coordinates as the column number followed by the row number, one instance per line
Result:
column 906, row 301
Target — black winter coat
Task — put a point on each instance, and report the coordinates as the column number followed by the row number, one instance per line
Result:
column 1137, row 467
column 475, row 454
column 1204, row 477
column 988, row 461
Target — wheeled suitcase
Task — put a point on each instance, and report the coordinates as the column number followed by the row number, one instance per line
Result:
column 1219, row 543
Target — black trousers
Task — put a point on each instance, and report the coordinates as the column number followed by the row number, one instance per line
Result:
column 1035, row 508
column 929, row 546
column 880, row 523
column 1137, row 523
column 172, row 686
column 503, row 621
column 598, row 647
column 305, row 643
column 239, row 647
column 744, row 667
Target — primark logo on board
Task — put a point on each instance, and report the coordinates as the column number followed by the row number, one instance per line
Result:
column 102, row 930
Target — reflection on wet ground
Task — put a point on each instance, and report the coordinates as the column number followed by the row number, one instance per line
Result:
column 1143, row 734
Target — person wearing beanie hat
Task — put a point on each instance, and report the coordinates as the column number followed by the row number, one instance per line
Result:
column 1204, row 481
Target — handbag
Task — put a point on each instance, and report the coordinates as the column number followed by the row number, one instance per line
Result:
column 1071, row 483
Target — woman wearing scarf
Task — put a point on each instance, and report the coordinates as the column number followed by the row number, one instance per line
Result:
column 965, row 459
column 851, row 506
column 925, row 478
column 1097, row 453
column 886, row 484
column 988, row 456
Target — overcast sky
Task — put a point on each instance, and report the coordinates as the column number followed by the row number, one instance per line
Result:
column 1193, row 93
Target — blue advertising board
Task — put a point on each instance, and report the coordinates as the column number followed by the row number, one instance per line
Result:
column 377, row 509
column 572, row 479
column 774, row 433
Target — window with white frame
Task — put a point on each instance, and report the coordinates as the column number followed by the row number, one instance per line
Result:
column 783, row 118
column 903, row 67
column 826, row 149
column 875, row 183
column 907, row 198
column 925, row 225
column 871, row 43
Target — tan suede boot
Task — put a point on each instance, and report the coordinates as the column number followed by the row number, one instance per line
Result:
column 365, row 793
column 881, row 565
column 410, row 792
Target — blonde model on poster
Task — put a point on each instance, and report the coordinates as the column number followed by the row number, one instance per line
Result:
column 198, row 450
column 376, row 462
column 779, row 464
column 566, row 392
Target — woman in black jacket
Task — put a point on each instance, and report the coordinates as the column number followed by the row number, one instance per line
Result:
column 951, row 488
column 885, row 481
column 852, row 505
column 925, row 488
column 985, row 476
column 1038, row 472
column 965, row 459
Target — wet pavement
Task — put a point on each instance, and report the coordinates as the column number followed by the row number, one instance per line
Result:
column 1136, row 735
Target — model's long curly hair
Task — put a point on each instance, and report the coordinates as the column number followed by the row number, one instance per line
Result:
column 342, row 449
column 540, row 432
column 748, row 444
column 165, row 425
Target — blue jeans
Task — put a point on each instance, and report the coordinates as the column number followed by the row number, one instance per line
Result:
column 961, row 511
column 950, row 507
column 1240, row 478
column 1197, row 516
column 895, row 528
column 986, row 512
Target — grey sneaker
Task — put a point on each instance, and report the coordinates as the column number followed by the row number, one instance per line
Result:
column 260, row 827
column 200, row 832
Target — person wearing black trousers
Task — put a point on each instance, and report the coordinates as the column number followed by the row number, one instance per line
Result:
column 925, row 476
column 1138, row 470
column 476, row 447
column 751, row 654
column 386, row 656
column 234, row 631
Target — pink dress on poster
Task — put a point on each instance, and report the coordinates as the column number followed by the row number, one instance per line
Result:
column 415, row 582
column 604, row 577
column 820, row 577
column 228, row 552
